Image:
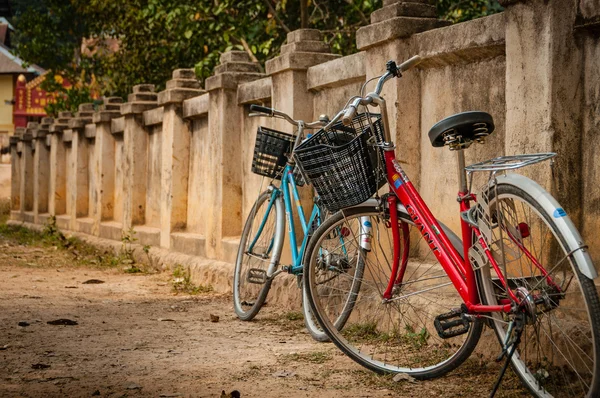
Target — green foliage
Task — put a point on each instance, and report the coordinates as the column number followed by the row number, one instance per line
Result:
column 182, row 282
column 156, row 36
column 464, row 10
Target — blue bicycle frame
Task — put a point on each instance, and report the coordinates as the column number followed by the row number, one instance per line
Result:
column 288, row 181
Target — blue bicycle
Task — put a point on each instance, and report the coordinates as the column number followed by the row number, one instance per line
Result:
column 263, row 236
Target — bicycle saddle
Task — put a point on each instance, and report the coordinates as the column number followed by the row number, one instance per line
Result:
column 461, row 129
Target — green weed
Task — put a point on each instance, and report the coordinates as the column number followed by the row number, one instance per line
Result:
column 182, row 282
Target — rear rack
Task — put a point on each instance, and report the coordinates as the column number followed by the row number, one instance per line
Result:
column 509, row 162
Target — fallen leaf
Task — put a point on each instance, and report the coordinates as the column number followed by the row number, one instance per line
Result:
column 39, row 366
column 133, row 386
column 283, row 373
column 23, row 324
column 214, row 318
column 63, row 321
column 92, row 282
column 166, row 320
column 404, row 377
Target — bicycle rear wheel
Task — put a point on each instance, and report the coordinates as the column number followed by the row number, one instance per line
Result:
column 397, row 335
column 559, row 351
column 258, row 255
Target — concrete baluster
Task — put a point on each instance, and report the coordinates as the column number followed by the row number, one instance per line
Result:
column 175, row 153
column 102, row 162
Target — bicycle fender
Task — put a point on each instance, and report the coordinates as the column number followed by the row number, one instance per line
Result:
column 561, row 219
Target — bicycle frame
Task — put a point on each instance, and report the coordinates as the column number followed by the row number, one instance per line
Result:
column 459, row 270
column 288, row 181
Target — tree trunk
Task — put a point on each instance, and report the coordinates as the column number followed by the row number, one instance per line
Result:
column 304, row 13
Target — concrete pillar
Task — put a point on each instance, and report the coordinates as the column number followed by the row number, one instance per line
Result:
column 15, row 176
column 385, row 39
column 224, row 119
column 41, row 170
column 102, row 163
column 26, row 167
column 78, row 173
column 544, row 97
column 175, row 153
column 135, row 146
column 57, row 200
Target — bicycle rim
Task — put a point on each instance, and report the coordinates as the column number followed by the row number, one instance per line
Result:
column 395, row 336
column 558, row 353
column 258, row 252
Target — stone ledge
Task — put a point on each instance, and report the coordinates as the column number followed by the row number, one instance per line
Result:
column 255, row 91
column 112, row 230
column 58, row 128
column 177, row 95
column 153, row 117
column 297, row 61
column 90, row 130
column 84, row 225
column 462, row 43
column 67, row 136
column 247, row 67
column 142, row 97
column 117, row 125
column 394, row 28
column 143, row 88
column 63, row 221
column 134, row 108
column 402, row 9
column 230, row 80
column 337, row 72
column 183, row 83
column 308, row 46
column 196, row 107
column 147, row 235
column 105, row 116
column 303, row 35
column 79, row 123
column 29, row 216
column 193, row 244
column 48, row 140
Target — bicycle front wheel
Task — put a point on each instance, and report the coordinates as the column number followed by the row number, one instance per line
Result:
column 258, row 255
column 386, row 336
column 558, row 353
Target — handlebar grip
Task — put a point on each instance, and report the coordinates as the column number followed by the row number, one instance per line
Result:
column 349, row 115
column 410, row 63
column 261, row 109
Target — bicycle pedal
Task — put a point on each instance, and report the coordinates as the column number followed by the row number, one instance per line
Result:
column 256, row 275
column 451, row 324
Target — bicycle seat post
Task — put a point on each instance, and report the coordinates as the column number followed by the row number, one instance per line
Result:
column 462, row 173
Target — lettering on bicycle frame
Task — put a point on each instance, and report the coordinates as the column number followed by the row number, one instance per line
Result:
column 397, row 167
column 420, row 226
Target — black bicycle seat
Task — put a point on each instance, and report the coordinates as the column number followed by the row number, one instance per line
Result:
column 470, row 125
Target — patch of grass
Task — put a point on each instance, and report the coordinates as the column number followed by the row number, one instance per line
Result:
column 312, row 357
column 84, row 254
column 294, row 316
column 4, row 210
column 291, row 320
column 362, row 331
column 182, row 282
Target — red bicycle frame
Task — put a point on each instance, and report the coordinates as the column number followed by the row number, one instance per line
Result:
column 458, row 269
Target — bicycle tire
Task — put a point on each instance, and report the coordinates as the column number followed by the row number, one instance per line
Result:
column 313, row 326
column 249, row 297
column 363, row 338
column 559, row 351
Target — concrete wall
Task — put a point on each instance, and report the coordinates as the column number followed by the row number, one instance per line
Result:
column 177, row 163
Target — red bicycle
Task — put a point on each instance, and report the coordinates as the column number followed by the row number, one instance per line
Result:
column 425, row 294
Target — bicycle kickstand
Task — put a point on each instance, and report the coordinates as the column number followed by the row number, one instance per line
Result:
column 509, row 348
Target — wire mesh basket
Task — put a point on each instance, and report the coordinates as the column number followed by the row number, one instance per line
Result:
column 343, row 163
column 271, row 151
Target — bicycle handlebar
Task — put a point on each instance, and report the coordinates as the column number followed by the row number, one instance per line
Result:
column 261, row 109
column 393, row 70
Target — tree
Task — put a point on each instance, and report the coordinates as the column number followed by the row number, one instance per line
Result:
column 157, row 36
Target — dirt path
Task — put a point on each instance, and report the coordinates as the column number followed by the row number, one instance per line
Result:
column 135, row 338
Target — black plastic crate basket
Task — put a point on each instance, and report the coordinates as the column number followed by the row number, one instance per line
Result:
column 343, row 163
column 271, row 152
